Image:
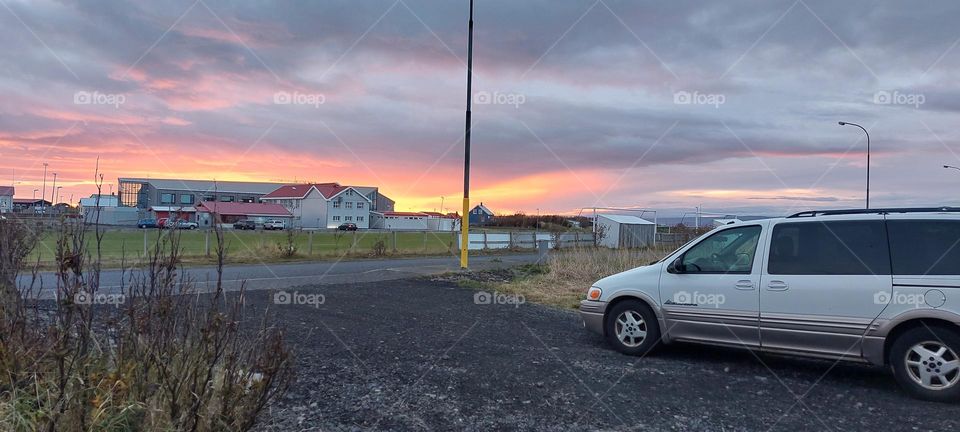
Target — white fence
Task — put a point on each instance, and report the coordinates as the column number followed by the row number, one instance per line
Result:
column 524, row 239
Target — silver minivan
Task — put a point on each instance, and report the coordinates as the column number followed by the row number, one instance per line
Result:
column 871, row 286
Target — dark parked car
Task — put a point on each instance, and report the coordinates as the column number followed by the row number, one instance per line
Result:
column 245, row 224
column 147, row 223
column 347, row 227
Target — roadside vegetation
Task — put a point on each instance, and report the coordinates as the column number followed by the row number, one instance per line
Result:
column 159, row 355
column 119, row 246
column 565, row 277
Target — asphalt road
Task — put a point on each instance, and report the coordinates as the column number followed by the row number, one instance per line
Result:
column 281, row 276
column 421, row 355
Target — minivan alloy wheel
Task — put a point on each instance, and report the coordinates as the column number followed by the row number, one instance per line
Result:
column 630, row 328
column 933, row 365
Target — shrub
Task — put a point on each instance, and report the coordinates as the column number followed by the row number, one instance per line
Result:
column 158, row 355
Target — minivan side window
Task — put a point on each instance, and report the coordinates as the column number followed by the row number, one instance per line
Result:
column 829, row 248
column 925, row 247
column 728, row 251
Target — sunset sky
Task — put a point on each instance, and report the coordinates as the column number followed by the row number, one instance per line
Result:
column 667, row 105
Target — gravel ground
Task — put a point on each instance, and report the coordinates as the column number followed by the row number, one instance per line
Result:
column 419, row 354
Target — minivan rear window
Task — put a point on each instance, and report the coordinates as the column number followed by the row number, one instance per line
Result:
column 925, row 247
column 829, row 248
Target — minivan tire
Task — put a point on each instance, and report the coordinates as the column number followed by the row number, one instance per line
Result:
column 626, row 312
column 902, row 350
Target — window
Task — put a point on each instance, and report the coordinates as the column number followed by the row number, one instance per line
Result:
column 336, row 204
column 226, row 198
column 349, row 204
column 336, row 218
column 359, row 205
column 167, row 198
column 829, row 248
column 925, row 247
column 247, row 200
column 728, row 251
column 209, row 198
column 359, row 218
column 348, row 218
column 186, row 198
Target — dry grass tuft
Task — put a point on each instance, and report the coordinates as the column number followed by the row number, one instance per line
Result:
column 564, row 279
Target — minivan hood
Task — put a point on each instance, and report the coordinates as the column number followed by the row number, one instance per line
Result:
column 639, row 278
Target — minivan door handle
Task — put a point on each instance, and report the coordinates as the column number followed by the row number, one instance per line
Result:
column 745, row 285
column 777, row 286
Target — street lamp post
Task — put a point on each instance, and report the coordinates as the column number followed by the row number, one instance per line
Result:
column 465, row 218
column 54, row 190
column 35, row 193
column 43, row 193
column 868, row 156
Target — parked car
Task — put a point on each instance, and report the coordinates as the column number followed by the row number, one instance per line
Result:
column 873, row 286
column 347, row 227
column 162, row 222
column 245, row 224
column 274, row 224
column 147, row 223
column 180, row 224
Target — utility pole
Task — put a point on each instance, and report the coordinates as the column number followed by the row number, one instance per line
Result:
column 465, row 218
column 441, row 204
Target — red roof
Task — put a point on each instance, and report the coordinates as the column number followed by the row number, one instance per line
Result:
column 300, row 191
column 243, row 209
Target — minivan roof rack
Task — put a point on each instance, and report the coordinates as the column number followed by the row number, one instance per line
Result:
column 814, row 213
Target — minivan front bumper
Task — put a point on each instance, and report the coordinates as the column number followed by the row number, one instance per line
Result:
column 591, row 312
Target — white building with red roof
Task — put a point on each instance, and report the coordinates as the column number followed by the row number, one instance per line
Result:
column 230, row 212
column 322, row 205
column 413, row 221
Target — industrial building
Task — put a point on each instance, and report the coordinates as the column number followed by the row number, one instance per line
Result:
column 210, row 212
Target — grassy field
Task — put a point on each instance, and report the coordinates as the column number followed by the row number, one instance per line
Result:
column 253, row 246
column 564, row 279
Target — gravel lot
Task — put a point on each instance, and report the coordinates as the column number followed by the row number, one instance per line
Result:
column 421, row 355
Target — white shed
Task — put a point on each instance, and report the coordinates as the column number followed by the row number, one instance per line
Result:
column 625, row 231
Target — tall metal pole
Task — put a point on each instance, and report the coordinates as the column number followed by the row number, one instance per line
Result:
column 53, row 191
column 43, row 193
column 868, row 156
column 465, row 218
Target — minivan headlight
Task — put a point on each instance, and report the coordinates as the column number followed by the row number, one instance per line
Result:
column 594, row 293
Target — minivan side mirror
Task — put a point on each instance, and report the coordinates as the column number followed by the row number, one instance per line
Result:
column 676, row 266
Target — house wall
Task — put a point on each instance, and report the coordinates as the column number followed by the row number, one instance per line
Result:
column 6, row 204
column 612, row 237
column 343, row 208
